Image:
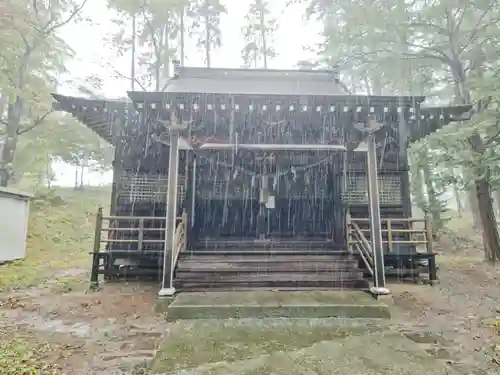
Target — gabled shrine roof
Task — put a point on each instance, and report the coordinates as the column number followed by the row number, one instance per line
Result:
column 100, row 115
column 255, row 82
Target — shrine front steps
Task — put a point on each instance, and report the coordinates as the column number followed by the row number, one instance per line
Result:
column 269, row 304
column 276, row 269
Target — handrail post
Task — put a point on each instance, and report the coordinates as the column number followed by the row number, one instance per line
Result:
column 94, row 273
column 140, row 236
column 348, row 222
column 379, row 288
column 167, row 287
column 185, row 229
column 389, row 234
column 431, row 260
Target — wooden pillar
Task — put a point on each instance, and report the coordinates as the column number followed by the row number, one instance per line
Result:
column 189, row 200
column 336, row 187
column 379, row 287
column 167, row 287
column 404, row 169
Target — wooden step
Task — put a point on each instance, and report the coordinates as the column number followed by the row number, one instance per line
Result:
column 253, row 258
column 198, row 286
column 276, row 277
column 261, row 252
column 263, row 264
column 271, row 244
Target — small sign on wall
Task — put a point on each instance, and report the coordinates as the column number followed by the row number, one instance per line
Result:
column 271, row 202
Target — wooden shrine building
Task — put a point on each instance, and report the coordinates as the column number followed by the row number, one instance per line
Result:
column 271, row 176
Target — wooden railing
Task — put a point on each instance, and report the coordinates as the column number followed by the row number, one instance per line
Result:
column 394, row 231
column 180, row 239
column 358, row 241
column 107, row 232
column 416, row 236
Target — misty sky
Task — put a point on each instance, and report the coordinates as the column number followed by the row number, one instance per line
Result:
column 93, row 56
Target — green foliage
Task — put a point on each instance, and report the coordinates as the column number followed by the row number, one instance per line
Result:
column 60, row 138
column 205, row 26
column 444, row 50
column 156, row 38
column 257, row 32
column 32, row 55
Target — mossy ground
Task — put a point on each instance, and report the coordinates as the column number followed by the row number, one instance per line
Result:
column 290, row 347
column 194, row 343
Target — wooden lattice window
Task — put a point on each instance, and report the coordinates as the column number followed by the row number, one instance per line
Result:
column 148, row 187
column 356, row 191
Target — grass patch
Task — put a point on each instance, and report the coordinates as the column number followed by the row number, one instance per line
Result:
column 60, row 236
column 197, row 343
column 21, row 354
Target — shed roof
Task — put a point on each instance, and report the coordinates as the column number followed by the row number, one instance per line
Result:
column 14, row 193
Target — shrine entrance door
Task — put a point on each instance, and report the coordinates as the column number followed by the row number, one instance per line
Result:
column 266, row 195
column 303, row 197
column 226, row 200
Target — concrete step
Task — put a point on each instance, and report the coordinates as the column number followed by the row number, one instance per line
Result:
column 272, row 304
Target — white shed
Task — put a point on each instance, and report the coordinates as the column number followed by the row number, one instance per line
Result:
column 14, row 213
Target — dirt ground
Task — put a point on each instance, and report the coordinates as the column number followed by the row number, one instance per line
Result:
column 115, row 331
column 60, row 328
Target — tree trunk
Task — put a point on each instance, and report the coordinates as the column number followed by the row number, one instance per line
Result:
column 166, row 48
column 182, row 32
column 432, row 196
column 82, row 170
column 48, row 172
column 491, row 241
column 497, row 201
column 207, row 41
column 134, row 37
column 474, row 208
column 460, row 209
column 10, row 141
column 76, row 176
column 472, row 201
column 158, row 63
column 264, row 39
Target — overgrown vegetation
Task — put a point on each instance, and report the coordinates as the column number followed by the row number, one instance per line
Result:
column 60, row 237
column 447, row 51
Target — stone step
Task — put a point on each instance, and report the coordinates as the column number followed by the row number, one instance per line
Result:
column 271, row 304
